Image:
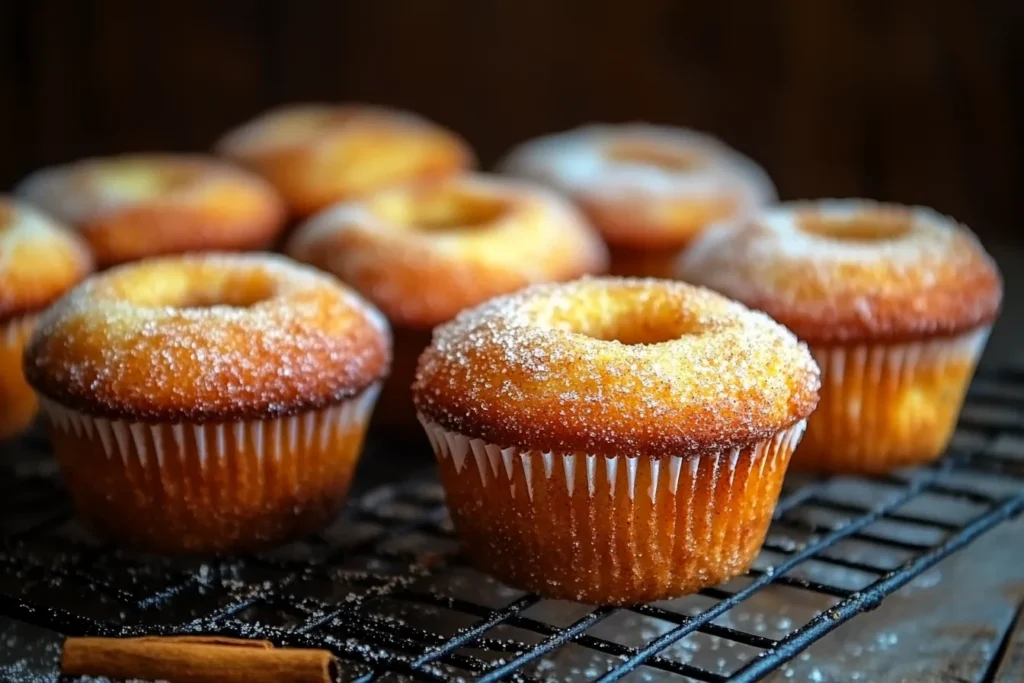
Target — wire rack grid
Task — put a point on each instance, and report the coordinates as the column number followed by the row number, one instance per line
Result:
column 386, row 590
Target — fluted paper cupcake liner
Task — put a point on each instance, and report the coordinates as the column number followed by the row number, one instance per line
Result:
column 610, row 529
column 18, row 403
column 886, row 406
column 209, row 487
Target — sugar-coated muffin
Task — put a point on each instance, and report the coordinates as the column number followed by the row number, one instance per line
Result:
column 320, row 154
column 39, row 261
column 649, row 189
column 422, row 253
column 896, row 303
column 613, row 440
column 134, row 206
column 208, row 403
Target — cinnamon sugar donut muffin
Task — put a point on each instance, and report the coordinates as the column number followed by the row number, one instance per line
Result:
column 613, row 440
column 137, row 205
column 650, row 190
column 423, row 253
column 39, row 261
column 895, row 302
column 208, row 403
column 319, row 154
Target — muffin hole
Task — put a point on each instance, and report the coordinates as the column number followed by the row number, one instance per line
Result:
column 653, row 155
column 137, row 179
column 865, row 226
column 440, row 210
column 630, row 319
column 314, row 120
column 185, row 290
column 639, row 332
column 234, row 299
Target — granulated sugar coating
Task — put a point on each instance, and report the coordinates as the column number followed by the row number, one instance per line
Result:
column 87, row 191
column 638, row 159
column 616, row 367
column 645, row 186
column 471, row 237
column 852, row 271
column 318, row 154
column 135, row 206
column 207, row 338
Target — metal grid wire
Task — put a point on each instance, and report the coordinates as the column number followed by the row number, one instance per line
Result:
column 385, row 589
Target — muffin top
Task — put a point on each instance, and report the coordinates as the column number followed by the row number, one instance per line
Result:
column 136, row 205
column 424, row 252
column 616, row 366
column 319, row 154
column 645, row 186
column 852, row 271
column 39, row 259
column 211, row 338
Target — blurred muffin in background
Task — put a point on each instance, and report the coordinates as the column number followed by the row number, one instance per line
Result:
column 649, row 190
column 134, row 206
column 422, row 253
column 39, row 261
column 896, row 303
column 319, row 154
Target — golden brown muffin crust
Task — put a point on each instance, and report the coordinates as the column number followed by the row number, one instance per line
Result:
column 319, row 154
column 137, row 205
column 844, row 272
column 615, row 366
column 645, row 186
column 423, row 253
column 211, row 338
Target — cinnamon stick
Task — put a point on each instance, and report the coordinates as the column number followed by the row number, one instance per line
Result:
column 194, row 659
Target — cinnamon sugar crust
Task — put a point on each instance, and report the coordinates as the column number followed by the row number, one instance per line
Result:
column 138, row 205
column 423, row 253
column 211, row 338
column 319, row 154
column 645, row 186
column 844, row 272
column 615, row 366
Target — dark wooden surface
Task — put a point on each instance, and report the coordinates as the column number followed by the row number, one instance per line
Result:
column 910, row 100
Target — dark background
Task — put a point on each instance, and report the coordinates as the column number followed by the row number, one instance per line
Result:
column 919, row 101
column 911, row 100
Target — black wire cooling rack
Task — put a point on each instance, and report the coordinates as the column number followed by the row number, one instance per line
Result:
column 385, row 589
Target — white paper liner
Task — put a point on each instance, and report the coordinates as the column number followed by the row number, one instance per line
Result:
column 497, row 466
column 612, row 530
column 266, row 439
column 850, row 416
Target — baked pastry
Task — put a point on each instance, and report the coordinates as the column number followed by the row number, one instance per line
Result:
column 650, row 190
column 208, row 403
column 895, row 302
column 422, row 253
column 319, row 154
column 39, row 261
column 613, row 440
column 138, row 205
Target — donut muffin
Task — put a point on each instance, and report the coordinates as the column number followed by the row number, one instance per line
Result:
column 319, row 154
column 613, row 440
column 896, row 303
column 137, row 205
column 208, row 403
column 423, row 253
column 650, row 190
column 39, row 261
